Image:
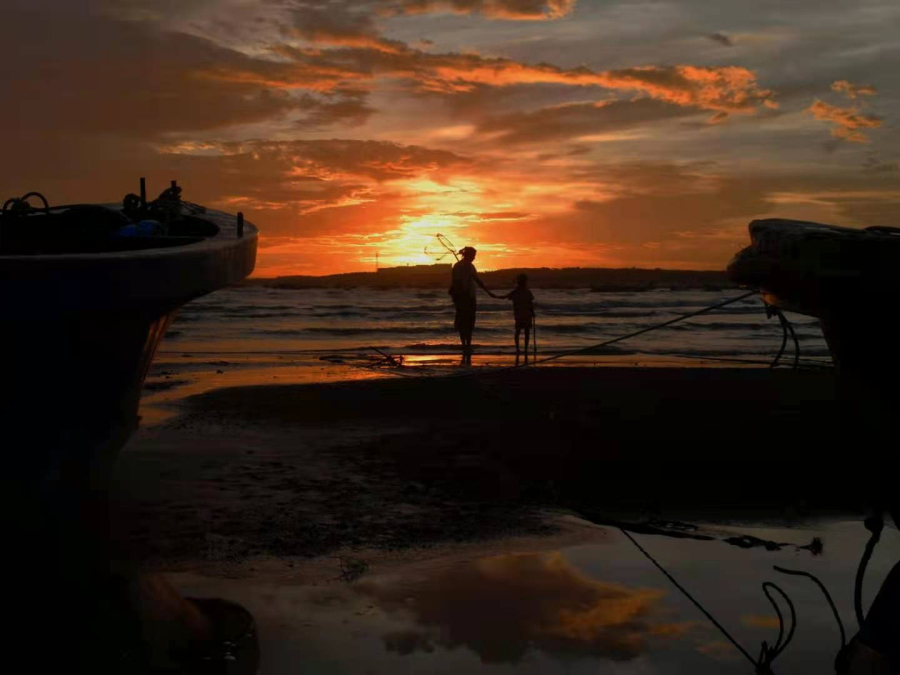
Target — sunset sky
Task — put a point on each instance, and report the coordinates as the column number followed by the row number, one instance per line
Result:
column 543, row 132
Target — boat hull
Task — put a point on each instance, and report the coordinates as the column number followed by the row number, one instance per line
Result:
column 77, row 336
column 846, row 278
column 78, row 333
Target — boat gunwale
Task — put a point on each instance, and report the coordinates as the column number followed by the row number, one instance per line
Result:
column 225, row 238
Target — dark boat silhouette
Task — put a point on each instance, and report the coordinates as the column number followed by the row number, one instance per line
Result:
column 87, row 292
column 847, row 278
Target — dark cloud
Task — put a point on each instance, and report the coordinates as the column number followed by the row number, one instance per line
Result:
column 721, row 38
column 343, row 107
column 876, row 205
column 339, row 25
column 503, row 607
column 100, row 75
column 579, row 119
column 874, row 163
column 83, row 74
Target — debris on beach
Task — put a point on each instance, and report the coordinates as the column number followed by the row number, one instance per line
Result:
column 352, row 569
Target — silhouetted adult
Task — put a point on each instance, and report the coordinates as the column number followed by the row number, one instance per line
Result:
column 462, row 290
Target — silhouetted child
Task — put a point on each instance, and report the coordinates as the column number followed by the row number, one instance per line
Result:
column 523, row 310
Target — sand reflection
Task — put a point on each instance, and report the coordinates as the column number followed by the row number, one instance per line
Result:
column 504, row 606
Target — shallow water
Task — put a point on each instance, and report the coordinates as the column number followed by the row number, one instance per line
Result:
column 599, row 608
column 255, row 319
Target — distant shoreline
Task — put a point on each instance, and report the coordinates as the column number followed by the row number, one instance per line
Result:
column 437, row 276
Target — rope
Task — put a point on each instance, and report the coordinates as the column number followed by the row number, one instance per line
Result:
column 647, row 330
column 786, row 328
column 798, row 573
column 690, row 597
column 806, row 363
column 19, row 205
column 874, row 524
column 768, row 654
column 784, row 337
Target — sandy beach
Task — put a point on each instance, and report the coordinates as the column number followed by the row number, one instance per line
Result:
column 303, row 470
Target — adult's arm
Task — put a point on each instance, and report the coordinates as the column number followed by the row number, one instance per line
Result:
column 481, row 283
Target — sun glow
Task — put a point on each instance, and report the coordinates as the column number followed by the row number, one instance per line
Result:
column 415, row 242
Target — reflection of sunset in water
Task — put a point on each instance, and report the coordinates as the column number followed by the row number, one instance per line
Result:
column 502, row 607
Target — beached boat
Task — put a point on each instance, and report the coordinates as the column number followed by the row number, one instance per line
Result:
column 847, row 278
column 87, row 292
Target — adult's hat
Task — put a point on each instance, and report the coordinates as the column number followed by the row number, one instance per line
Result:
column 468, row 250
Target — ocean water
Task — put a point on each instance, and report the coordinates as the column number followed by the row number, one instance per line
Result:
column 251, row 319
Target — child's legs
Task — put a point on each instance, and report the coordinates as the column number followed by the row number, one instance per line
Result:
column 518, row 331
column 527, row 337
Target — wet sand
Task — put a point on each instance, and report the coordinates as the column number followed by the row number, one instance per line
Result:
column 249, row 474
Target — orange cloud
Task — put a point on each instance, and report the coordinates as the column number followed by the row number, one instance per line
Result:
column 728, row 89
column 306, row 74
column 848, row 122
column 360, row 53
column 853, row 91
column 521, row 10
